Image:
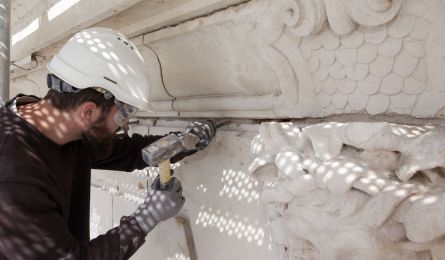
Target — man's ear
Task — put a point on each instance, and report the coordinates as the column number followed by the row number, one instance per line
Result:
column 88, row 113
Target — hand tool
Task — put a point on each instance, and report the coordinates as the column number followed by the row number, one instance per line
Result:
column 159, row 153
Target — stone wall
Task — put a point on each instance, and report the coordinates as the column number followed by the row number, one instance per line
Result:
column 302, row 59
column 227, row 220
column 286, row 59
column 307, row 189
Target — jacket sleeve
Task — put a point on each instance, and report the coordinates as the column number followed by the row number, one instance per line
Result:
column 126, row 153
column 31, row 227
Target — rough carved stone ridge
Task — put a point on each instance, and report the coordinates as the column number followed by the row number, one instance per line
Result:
column 354, row 190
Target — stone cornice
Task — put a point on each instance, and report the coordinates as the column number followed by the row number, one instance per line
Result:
column 297, row 59
column 314, row 59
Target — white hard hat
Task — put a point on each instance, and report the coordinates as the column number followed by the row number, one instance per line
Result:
column 101, row 57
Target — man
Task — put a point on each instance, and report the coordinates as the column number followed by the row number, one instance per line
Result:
column 48, row 146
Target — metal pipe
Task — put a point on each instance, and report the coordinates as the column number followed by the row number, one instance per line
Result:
column 5, row 48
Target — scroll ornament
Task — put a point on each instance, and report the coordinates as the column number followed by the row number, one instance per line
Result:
column 308, row 17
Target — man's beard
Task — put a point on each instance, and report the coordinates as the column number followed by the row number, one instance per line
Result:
column 99, row 139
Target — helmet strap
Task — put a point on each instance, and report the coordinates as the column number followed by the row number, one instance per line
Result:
column 59, row 85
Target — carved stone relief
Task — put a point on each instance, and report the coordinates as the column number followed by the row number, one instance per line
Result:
column 299, row 58
column 307, row 58
column 353, row 190
column 380, row 68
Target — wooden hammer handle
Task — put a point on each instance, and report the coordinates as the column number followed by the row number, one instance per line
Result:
column 164, row 172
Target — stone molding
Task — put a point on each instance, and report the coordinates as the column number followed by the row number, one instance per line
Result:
column 342, row 191
column 312, row 58
column 292, row 59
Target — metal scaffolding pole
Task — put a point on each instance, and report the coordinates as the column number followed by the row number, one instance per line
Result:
column 5, row 43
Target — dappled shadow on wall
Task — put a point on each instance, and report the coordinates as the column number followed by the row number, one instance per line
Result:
column 238, row 185
column 132, row 186
column 241, row 188
column 232, row 225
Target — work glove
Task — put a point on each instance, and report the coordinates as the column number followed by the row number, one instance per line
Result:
column 160, row 204
column 205, row 130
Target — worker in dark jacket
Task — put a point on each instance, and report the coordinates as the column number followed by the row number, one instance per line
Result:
column 48, row 147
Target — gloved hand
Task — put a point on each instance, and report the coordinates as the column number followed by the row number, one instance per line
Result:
column 160, row 204
column 205, row 130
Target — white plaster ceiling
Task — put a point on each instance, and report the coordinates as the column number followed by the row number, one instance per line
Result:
column 21, row 8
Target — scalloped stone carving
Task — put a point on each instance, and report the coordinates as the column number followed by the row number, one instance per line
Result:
column 304, row 58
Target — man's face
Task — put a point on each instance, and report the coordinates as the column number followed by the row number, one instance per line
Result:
column 101, row 134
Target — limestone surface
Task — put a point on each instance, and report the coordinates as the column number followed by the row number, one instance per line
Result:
column 278, row 58
column 353, row 190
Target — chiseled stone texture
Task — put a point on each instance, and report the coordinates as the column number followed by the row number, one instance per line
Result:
column 353, row 190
